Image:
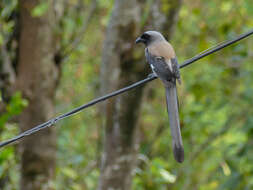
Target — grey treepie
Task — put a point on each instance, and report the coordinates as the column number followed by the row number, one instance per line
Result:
column 162, row 59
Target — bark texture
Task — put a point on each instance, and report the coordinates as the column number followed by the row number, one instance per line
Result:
column 122, row 64
column 37, row 77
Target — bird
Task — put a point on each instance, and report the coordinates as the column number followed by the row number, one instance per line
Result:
column 162, row 59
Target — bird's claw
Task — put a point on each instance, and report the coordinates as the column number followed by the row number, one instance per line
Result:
column 151, row 75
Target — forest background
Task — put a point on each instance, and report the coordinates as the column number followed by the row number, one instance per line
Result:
column 57, row 55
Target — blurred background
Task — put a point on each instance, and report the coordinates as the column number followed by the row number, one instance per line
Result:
column 56, row 55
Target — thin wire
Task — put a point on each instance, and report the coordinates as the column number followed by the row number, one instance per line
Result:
column 105, row 97
column 216, row 48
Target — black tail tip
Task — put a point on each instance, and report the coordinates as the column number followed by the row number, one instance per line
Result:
column 178, row 153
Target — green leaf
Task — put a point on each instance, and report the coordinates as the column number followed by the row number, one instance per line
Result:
column 40, row 9
column 167, row 176
column 69, row 172
column 6, row 154
column 1, row 42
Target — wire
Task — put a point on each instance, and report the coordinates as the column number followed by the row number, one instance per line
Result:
column 122, row 90
column 216, row 48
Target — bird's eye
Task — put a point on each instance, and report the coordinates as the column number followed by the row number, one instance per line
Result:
column 145, row 36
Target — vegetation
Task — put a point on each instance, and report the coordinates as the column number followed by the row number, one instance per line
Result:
column 215, row 96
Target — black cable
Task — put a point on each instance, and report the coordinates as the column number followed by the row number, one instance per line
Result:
column 105, row 97
column 216, row 48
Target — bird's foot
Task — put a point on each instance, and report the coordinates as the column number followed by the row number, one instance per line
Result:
column 151, row 75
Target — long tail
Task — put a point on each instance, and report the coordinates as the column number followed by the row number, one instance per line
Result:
column 172, row 108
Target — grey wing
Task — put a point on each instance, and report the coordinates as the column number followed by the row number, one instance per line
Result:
column 160, row 67
column 175, row 67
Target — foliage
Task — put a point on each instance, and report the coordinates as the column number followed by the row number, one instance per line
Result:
column 40, row 9
column 214, row 100
column 8, row 160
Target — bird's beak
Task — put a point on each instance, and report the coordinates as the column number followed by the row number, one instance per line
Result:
column 139, row 40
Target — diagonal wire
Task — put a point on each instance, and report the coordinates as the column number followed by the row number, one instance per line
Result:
column 120, row 91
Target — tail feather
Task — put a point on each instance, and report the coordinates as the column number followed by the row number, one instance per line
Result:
column 172, row 108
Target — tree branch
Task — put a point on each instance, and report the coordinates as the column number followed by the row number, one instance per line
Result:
column 68, row 50
column 7, row 73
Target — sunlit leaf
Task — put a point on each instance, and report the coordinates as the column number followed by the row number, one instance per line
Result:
column 40, row 9
column 168, row 176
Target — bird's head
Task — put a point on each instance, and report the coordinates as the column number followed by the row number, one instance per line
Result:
column 150, row 37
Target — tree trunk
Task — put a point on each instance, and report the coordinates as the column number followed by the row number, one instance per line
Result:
column 123, row 64
column 37, row 76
